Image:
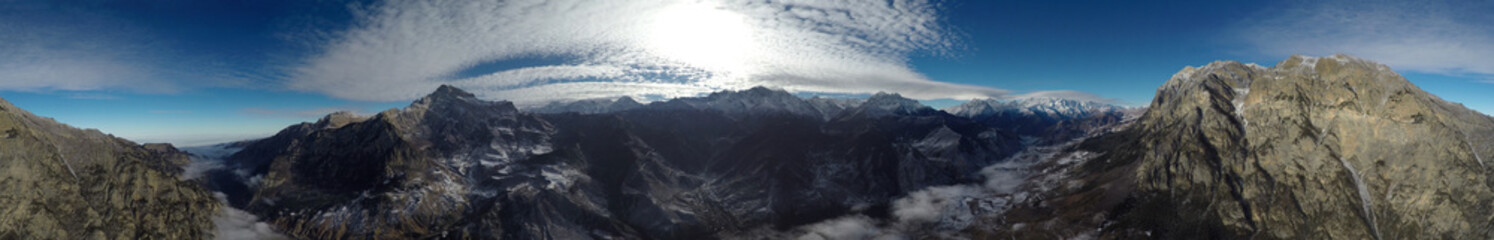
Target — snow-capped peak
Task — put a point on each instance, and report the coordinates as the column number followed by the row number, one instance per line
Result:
column 1028, row 106
column 448, row 98
column 589, row 106
column 754, row 100
column 882, row 104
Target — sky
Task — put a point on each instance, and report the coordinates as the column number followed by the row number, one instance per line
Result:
column 201, row 72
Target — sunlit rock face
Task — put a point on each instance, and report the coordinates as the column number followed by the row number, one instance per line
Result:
column 1313, row 148
column 59, row 182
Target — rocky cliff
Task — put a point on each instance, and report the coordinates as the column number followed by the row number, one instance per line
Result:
column 1312, row 148
column 451, row 165
column 58, row 182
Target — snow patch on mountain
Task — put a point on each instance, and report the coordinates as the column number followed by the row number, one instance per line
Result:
column 1063, row 108
column 589, row 106
column 945, row 210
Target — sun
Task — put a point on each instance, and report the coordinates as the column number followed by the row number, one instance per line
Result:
column 702, row 35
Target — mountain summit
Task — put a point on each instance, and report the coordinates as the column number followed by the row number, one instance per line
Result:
column 722, row 165
column 1316, row 147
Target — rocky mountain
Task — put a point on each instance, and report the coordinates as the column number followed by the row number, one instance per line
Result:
column 1312, row 148
column 589, row 106
column 1047, row 120
column 454, row 166
column 1318, row 148
column 60, row 182
column 743, row 103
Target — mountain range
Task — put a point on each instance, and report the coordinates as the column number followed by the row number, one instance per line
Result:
column 1314, row 147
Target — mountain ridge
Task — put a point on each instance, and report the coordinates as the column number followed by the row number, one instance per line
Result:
column 61, row 182
column 697, row 157
column 1216, row 154
column 1324, row 148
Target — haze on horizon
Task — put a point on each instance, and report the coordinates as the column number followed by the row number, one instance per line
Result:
column 192, row 73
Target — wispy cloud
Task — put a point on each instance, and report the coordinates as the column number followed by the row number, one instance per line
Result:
column 92, row 96
column 1440, row 37
column 87, row 52
column 400, row 49
column 60, row 46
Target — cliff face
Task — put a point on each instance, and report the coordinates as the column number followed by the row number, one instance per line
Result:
column 1313, row 148
column 451, row 165
column 58, row 182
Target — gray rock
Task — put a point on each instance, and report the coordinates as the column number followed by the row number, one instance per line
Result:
column 1313, row 148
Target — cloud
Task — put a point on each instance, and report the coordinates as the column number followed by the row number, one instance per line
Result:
column 933, row 203
column 200, row 167
column 64, row 46
column 233, row 223
column 848, row 227
column 400, row 50
column 1441, row 37
column 82, row 51
column 92, row 96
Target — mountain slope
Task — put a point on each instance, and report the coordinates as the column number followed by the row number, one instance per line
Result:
column 1316, row 148
column 59, row 182
column 450, row 165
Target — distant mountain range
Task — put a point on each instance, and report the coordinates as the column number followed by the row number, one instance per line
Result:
column 1317, row 148
column 453, row 165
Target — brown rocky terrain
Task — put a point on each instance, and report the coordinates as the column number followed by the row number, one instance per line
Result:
column 59, row 182
column 1312, row 148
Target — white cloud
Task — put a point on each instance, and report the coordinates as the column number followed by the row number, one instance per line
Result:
column 50, row 46
column 235, row 224
column 933, row 203
column 401, row 49
column 848, row 227
column 79, row 52
column 1442, row 37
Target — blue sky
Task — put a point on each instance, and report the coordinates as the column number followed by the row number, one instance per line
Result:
column 195, row 72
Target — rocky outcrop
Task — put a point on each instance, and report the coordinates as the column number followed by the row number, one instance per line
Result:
column 1313, row 148
column 58, row 182
column 454, row 166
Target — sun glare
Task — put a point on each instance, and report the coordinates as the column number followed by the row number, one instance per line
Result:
column 702, row 35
